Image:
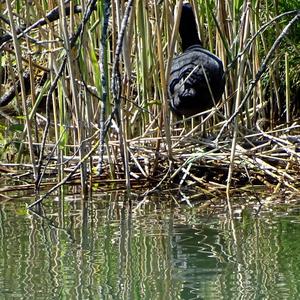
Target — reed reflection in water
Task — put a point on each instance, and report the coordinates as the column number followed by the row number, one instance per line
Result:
column 107, row 249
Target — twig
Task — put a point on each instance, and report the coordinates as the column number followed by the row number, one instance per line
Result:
column 45, row 133
column 11, row 93
column 67, row 177
column 260, row 72
column 102, row 63
column 50, row 17
column 116, row 91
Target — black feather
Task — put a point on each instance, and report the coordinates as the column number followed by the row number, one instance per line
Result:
column 197, row 79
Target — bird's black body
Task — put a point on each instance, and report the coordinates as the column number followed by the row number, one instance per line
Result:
column 197, row 77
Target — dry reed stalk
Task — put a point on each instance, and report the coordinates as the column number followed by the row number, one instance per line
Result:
column 244, row 34
column 23, row 93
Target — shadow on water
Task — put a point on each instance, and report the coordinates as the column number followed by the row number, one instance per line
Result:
column 108, row 249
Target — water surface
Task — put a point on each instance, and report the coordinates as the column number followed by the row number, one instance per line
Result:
column 107, row 248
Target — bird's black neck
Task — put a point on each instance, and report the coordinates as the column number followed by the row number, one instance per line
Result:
column 188, row 27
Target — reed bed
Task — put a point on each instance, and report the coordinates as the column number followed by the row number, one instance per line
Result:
column 84, row 96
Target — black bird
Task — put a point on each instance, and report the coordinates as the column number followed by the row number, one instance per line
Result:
column 197, row 78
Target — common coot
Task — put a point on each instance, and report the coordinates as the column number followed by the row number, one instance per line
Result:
column 197, row 78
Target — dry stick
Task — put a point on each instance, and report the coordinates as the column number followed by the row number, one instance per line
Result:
column 260, row 72
column 68, row 176
column 156, row 187
column 241, row 69
column 287, row 89
column 11, row 93
column 48, row 120
column 51, row 16
column 165, row 77
column 23, row 88
column 261, row 30
column 193, row 130
column 16, row 88
column 76, row 99
column 52, row 152
column 91, row 6
column 73, row 40
column 284, row 144
column 104, row 80
column 116, row 92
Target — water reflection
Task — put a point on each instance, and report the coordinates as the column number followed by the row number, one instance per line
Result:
column 107, row 249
